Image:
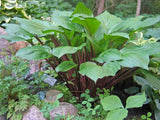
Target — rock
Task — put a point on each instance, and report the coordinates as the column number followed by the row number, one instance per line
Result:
column 33, row 114
column 51, row 96
column 34, row 66
column 4, row 44
column 64, row 108
column 18, row 45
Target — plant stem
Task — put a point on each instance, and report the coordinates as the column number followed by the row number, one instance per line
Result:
column 55, row 41
column 37, row 38
column 122, row 77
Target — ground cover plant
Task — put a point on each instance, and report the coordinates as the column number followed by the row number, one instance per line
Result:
column 87, row 52
column 17, row 92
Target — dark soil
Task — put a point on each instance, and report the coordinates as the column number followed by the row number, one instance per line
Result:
column 133, row 113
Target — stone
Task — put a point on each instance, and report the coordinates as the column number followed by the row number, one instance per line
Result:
column 33, row 114
column 4, row 44
column 34, row 66
column 51, row 96
column 18, row 45
column 64, row 108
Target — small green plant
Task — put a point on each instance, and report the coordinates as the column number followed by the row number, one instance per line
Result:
column 146, row 117
column 47, row 106
column 116, row 111
column 15, row 94
column 89, row 109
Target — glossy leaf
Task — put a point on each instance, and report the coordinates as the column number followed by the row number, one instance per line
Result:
column 65, row 66
column 136, row 23
column 34, row 53
column 13, row 39
column 108, row 22
column 14, row 29
column 112, row 68
column 151, row 48
column 65, row 22
column 94, row 71
column 135, row 101
column 109, row 55
column 91, row 24
column 117, row 114
column 60, row 51
column 111, row 102
column 134, row 57
column 34, row 26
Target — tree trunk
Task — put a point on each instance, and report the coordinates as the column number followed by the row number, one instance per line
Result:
column 138, row 8
column 100, row 7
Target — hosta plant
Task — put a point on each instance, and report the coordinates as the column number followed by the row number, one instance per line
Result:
column 87, row 52
column 11, row 8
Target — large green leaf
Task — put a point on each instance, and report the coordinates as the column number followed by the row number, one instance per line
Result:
column 81, row 9
column 94, row 71
column 153, row 81
column 13, row 39
column 117, row 114
column 65, row 66
column 109, row 55
column 151, row 48
column 135, row 101
column 34, row 26
column 60, row 51
column 111, row 102
column 14, row 29
column 112, row 67
column 91, row 24
column 136, row 23
column 127, row 24
column 147, row 22
column 132, row 60
column 66, row 23
column 34, row 53
column 134, row 57
column 108, row 22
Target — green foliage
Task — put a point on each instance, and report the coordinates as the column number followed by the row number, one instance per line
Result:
column 115, row 108
column 44, row 8
column 10, row 8
column 146, row 117
column 47, row 106
column 15, row 94
column 82, row 43
column 89, row 109
column 149, row 83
